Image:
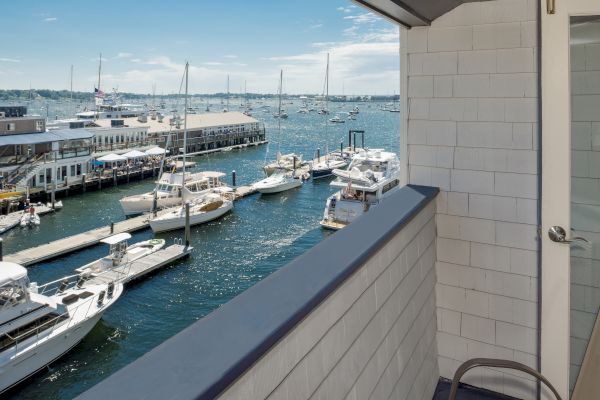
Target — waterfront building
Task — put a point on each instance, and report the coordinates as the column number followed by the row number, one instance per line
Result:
column 31, row 156
column 205, row 131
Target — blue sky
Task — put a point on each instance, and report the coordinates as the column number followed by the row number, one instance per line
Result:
column 249, row 40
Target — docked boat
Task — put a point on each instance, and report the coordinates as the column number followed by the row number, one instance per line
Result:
column 286, row 161
column 371, row 177
column 279, row 181
column 324, row 168
column 120, row 253
column 39, row 324
column 29, row 218
column 168, row 191
column 337, row 120
column 204, row 209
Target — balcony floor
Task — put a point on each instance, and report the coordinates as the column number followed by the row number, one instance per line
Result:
column 466, row 392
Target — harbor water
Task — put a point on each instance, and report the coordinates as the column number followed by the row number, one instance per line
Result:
column 262, row 234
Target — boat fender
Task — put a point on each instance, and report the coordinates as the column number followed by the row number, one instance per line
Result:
column 154, row 242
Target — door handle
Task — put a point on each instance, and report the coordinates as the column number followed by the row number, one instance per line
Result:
column 559, row 235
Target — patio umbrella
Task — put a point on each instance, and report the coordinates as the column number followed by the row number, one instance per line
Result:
column 156, row 151
column 134, row 154
column 112, row 157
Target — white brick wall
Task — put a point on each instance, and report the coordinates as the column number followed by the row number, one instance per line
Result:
column 475, row 120
column 374, row 337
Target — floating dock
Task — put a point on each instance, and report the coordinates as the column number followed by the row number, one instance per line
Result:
column 143, row 266
column 10, row 220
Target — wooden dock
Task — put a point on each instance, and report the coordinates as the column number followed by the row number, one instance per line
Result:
column 10, row 220
column 80, row 241
column 143, row 266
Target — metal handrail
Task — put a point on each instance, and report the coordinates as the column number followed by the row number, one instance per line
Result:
column 497, row 363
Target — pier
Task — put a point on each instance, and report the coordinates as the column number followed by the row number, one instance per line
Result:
column 143, row 266
column 9, row 221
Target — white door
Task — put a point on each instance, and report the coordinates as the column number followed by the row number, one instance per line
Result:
column 570, row 188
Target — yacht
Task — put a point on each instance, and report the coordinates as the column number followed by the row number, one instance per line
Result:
column 168, row 191
column 280, row 181
column 324, row 168
column 38, row 324
column 120, row 253
column 371, row 177
column 203, row 209
column 285, row 161
column 337, row 120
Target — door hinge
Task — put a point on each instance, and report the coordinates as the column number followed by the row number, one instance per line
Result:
column 550, row 6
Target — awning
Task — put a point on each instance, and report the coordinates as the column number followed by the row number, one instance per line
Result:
column 73, row 134
column 112, row 158
column 114, row 239
column 134, row 154
column 28, row 138
column 412, row 12
column 155, row 151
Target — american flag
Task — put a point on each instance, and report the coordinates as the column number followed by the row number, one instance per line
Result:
column 98, row 93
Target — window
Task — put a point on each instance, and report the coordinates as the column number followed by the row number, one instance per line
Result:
column 39, row 126
column 41, row 178
column 78, row 169
column 72, row 170
column 10, row 126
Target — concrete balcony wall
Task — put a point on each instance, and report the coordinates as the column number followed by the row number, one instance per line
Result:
column 472, row 123
column 373, row 337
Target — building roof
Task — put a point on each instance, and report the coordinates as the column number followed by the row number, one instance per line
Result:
column 58, row 135
column 412, row 12
column 194, row 122
column 73, row 134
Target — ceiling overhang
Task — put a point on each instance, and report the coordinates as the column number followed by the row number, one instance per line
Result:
column 412, row 12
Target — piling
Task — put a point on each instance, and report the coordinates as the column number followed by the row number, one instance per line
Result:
column 233, row 176
column 350, row 139
column 187, row 224
column 1, row 252
column 342, row 148
column 53, row 194
column 128, row 171
column 114, row 176
column 318, row 154
column 83, row 183
column 112, row 228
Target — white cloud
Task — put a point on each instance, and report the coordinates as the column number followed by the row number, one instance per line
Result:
column 230, row 56
column 10, row 60
column 124, row 55
column 315, row 26
column 345, row 9
column 212, row 63
column 50, row 19
column 363, row 18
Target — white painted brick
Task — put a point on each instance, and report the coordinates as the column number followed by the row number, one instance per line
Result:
column 461, row 276
column 477, row 303
column 457, row 203
column 529, row 34
column 491, row 110
column 525, row 313
column 509, row 285
column 472, row 181
column 421, row 155
column 522, row 136
column 484, row 134
column 490, row 257
column 450, row 297
column 516, row 337
column 420, row 86
column 581, row 135
column 441, row 202
column 521, row 110
column 475, row 85
column 504, row 11
column 513, row 85
column 523, row 262
column 450, row 39
column 442, row 63
column 477, row 62
column 453, row 109
column 585, row 107
column 522, row 161
column 497, row 36
column 440, row 177
column 448, row 321
column 516, row 60
column 592, row 56
column 442, row 86
column 477, row 328
column 453, row 251
column 417, row 40
column 515, row 185
column 441, row 133
column 520, row 236
column 464, row 14
column 451, row 346
column 585, row 82
column 501, row 308
column 580, row 164
column 493, row 207
column 527, row 211
column 418, row 108
column 577, row 56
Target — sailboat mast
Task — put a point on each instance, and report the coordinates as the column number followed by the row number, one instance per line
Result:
column 99, row 71
column 227, row 106
column 187, row 66
column 327, row 106
column 279, row 118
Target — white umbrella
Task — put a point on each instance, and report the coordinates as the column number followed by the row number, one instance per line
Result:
column 134, row 154
column 156, row 151
column 112, row 157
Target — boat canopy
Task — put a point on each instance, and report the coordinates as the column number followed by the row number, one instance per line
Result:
column 114, row 239
column 10, row 272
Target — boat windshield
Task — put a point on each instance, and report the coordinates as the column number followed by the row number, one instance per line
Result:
column 13, row 293
column 164, row 188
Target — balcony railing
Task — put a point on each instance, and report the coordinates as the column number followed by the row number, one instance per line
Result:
column 355, row 314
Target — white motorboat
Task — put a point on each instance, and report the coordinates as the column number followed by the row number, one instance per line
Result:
column 279, row 181
column 207, row 208
column 286, row 161
column 169, row 191
column 337, row 120
column 371, row 177
column 120, row 253
column 29, row 218
column 325, row 167
column 38, row 324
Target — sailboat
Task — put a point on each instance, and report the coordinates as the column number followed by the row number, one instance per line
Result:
column 281, row 179
column 323, row 168
column 201, row 209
